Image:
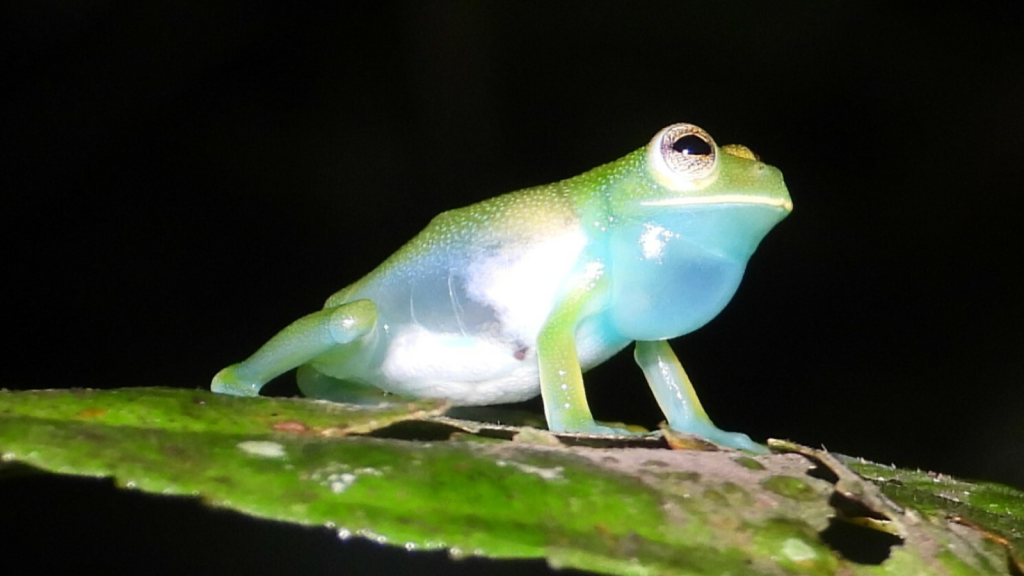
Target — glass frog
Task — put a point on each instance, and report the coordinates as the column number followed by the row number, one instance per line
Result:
column 516, row 296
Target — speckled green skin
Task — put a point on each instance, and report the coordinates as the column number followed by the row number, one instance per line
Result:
column 517, row 295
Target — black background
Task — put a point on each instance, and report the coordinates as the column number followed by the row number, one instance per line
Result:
column 181, row 180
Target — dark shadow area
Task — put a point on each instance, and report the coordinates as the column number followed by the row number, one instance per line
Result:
column 1013, row 568
column 822, row 472
column 850, row 508
column 54, row 523
column 857, row 543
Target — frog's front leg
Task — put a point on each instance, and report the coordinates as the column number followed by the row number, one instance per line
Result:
column 678, row 400
column 302, row 341
column 561, row 378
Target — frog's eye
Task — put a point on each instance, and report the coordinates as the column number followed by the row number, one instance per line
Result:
column 683, row 157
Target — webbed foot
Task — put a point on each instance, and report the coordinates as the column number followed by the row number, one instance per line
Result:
column 595, row 428
column 736, row 440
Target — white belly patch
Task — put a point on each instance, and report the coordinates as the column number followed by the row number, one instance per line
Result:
column 521, row 283
column 468, row 370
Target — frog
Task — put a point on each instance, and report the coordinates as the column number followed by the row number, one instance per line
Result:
column 518, row 295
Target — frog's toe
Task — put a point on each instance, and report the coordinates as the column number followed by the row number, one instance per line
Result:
column 596, row 428
column 737, row 440
column 227, row 382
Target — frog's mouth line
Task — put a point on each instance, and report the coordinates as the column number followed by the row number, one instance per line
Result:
column 786, row 204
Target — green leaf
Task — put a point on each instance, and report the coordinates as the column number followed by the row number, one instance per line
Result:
column 625, row 509
column 996, row 509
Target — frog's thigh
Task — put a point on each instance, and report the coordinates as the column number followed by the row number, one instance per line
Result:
column 300, row 342
column 678, row 400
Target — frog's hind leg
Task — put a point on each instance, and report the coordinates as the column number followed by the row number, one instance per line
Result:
column 301, row 341
column 316, row 384
column 678, row 400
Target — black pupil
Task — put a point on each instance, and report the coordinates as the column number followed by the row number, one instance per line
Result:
column 692, row 145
